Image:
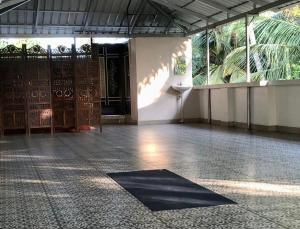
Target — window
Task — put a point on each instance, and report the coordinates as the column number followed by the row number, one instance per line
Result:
column 274, row 39
column 275, row 46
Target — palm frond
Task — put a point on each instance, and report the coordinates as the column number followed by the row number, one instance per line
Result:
column 274, row 55
column 274, row 58
column 276, row 31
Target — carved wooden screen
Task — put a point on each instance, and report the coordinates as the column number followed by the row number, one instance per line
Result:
column 1, row 99
column 13, row 89
column 38, row 80
column 88, row 92
column 62, row 75
column 41, row 88
column 102, row 76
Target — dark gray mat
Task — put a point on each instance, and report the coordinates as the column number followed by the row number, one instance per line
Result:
column 163, row 190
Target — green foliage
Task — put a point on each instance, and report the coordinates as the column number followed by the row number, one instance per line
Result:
column 30, row 42
column 180, row 67
column 274, row 55
column 3, row 44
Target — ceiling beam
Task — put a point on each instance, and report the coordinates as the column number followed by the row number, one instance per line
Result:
column 10, row 5
column 79, row 12
column 92, row 34
column 112, row 6
column 178, row 23
column 259, row 2
column 70, row 31
column 76, row 26
column 88, row 14
column 140, row 10
column 169, row 4
column 36, row 14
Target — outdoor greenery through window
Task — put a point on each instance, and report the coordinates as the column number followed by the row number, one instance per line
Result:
column 54, row 42
column 274, row 49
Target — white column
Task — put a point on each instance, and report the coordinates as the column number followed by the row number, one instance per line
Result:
column 248, row 73
column 207, row 57
column 208, row 75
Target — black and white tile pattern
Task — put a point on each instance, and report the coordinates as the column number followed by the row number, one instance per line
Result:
column 60, row 181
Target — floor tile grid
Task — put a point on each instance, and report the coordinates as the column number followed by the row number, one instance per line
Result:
column 93, row 153
column 235, row 146
column 249, row 210
column 62, row 208
column 18, row 208
column 253, row 209
column 235, row 171
column 261, row 214
column 239, row 205
column 77, row 147
column 40, row 177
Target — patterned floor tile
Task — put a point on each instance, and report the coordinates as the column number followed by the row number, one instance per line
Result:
column 60, row 181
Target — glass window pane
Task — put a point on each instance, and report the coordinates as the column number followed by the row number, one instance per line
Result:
column 275, row 45
column 227, row 54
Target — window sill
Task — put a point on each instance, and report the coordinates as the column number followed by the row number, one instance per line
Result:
column 253, row 84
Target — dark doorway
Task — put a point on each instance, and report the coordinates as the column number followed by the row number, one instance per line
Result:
column 116, row 84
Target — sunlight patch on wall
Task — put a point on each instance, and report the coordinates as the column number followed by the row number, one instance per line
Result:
column 150, row 89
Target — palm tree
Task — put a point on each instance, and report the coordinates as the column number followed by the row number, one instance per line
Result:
column 222, row 41
column 275, row 50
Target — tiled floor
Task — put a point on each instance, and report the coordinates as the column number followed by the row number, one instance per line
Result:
column 60, row 181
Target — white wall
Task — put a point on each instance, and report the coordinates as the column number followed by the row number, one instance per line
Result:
column 152, row 62
column 271, row 106
column 263, row 106
column 239, row 101
column 203, row 103
column 220, row 103
column 288, row 106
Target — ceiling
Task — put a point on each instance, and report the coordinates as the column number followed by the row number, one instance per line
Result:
column 19, row 18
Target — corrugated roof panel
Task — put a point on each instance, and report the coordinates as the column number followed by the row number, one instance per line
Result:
column 70, row 16
column 202, row 8
column 21, row 16
column 244, row 7
column 292, row 3
column 46, row 19
column 181, row 3
column 13, row 17
column 221, row 16
column 29, row 18
column 232, row 3
column 187, row 18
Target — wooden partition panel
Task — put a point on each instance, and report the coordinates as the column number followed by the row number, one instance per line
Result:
column 63, row 98
column 38, row 93
column 56, row 89
column 13, row 94
column 87, row 91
